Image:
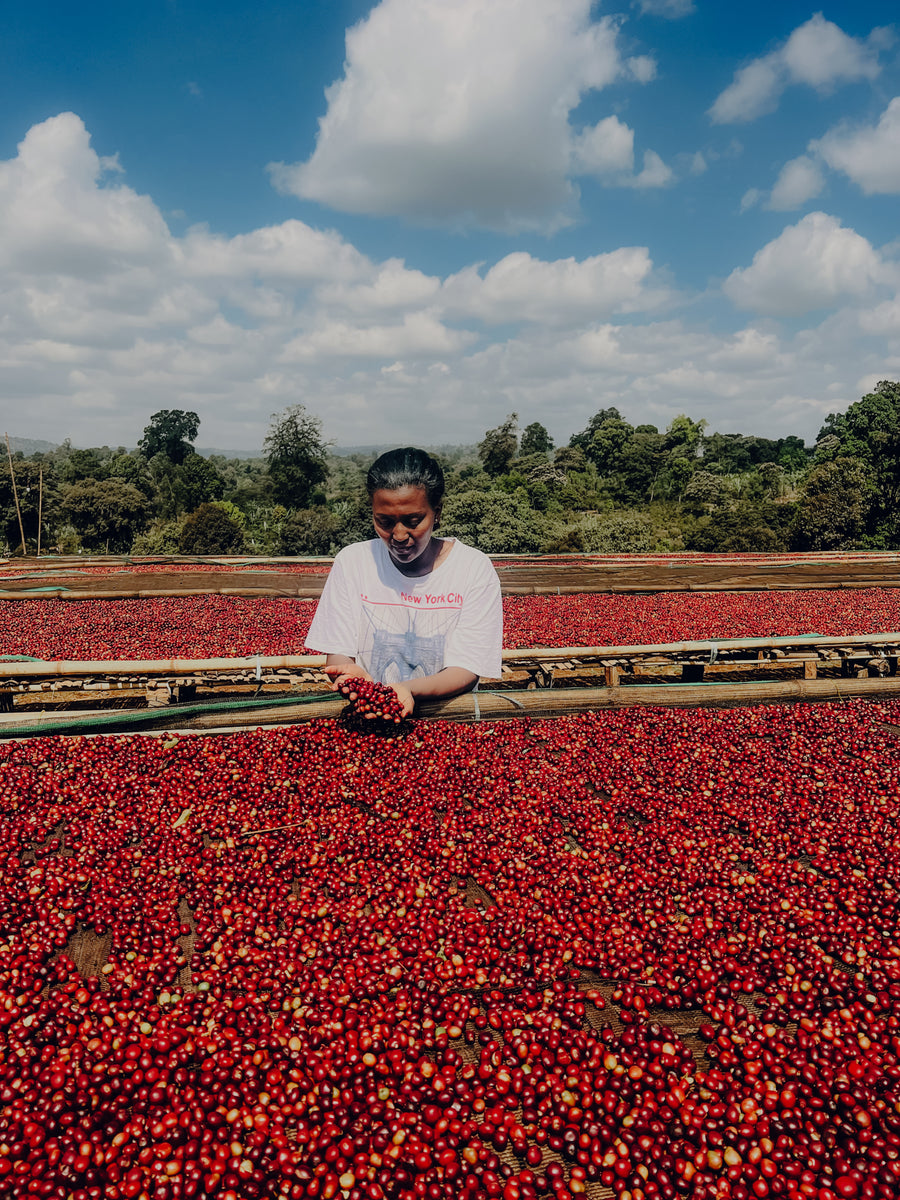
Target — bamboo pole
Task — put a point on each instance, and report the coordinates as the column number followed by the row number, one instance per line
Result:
column 65, row 592
column 700, row 647
column 40, row 509
column 16, row 496
column 511, row 658
column 75, row 589
column 485, row 706
column 537, row 705
column 309, row 587
column 159, row 666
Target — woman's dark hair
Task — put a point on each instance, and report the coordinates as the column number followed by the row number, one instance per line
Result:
column 407, row 468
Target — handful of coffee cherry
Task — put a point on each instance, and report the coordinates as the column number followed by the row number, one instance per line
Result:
column 368, row 698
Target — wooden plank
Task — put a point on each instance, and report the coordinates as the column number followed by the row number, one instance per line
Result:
column 799, row 643
column 627, row 574
column 542, row 657
column 568, row 701
column 158, row 666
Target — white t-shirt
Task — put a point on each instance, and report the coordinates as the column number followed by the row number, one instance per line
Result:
column 399, row 627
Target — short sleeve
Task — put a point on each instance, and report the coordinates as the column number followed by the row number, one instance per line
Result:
column 335, row 624
column 476, row 644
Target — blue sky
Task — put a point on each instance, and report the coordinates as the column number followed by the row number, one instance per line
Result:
column 419, row 215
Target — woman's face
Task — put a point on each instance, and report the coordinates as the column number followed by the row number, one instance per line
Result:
column 405, row 521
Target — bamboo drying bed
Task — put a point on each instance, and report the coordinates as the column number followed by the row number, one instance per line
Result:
column 483, row 706
column 544, row 679
column 67, row 579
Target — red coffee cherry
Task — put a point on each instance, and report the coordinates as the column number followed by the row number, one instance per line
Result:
column 367, row 697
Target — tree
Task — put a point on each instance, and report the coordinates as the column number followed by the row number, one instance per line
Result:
column 706, row 491
column 772, row 476
column 178, row 488
column 792, row 455
column 499, row 446
column 570, row 458
column 639, row 465
column 620, row 533
column 82, row 464
column 296, row 456
column 210, row 530
column 583, row 440
column 684, row 436
column 728, row 452
column 607, row 443
column 105, row 513
column 832, row 511
column 27, row 475
column 133, row 469
column 869, row 432
column 535, row 440
column 170, row 432
column 198, row 482
column 311, row 531
column 496, row 522
column 744, row 528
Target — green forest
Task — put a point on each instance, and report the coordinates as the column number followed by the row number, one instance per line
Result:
column 614, row 488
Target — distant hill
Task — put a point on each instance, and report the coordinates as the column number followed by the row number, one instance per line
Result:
column 38, row 446
column 374, row 451
column 208, row 452
column 30, row 445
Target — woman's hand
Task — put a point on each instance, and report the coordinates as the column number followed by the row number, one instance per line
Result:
column 343, row 672
column 405, row 696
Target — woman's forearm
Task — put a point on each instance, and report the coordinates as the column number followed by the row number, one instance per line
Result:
column 451, row 681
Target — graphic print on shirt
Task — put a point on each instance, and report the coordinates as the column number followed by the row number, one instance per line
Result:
column 406, row 639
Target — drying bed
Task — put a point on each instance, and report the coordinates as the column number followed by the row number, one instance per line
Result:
column 649, row 953
column 519, row 575
column 230, row 626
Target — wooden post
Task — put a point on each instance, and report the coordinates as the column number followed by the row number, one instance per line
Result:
column 810, row 668
column 16, row 497
column 611, row 675
column 40, row 508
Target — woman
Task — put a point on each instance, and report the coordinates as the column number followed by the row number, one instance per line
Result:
column 408, row 609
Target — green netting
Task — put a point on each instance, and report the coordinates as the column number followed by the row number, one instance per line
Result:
column 109, row 722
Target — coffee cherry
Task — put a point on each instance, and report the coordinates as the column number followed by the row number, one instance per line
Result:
column 369, row 698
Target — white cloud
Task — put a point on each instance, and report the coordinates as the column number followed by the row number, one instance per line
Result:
column 417, row 335
column 869, row 155
column 393, row 288
column 641, row 68
column 811, row 265
column 522, row 288
column 817, row 53
column 606, row 150
column 59, row 221
column 655, row 173
column 821, row 55
column 799, row 180
column 883, row 319
column 670, row 9
column 292, row 251
column 457, row 111
column 114, row 328
column 754, row 91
